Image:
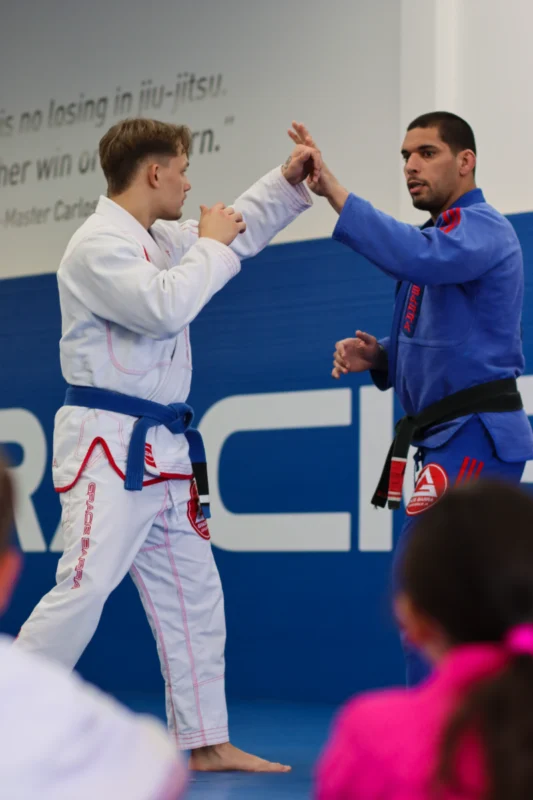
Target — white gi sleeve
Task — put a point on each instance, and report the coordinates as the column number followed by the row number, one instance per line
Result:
column 109, row 276
column 267, row 207
column 61, row 738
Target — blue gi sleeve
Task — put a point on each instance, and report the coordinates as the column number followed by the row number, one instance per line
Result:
column 468, row 244
column 381, row 376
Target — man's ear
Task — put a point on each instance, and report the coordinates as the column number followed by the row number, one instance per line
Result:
column 152, row 175
column 467, row 162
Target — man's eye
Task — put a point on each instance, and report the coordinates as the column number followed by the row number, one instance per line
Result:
column 428, row 153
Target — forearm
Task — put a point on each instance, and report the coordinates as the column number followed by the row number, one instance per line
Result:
column 434, row 255
column 268, row 206
column 337, row 196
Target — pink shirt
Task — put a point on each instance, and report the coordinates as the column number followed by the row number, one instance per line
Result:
column 385, row 745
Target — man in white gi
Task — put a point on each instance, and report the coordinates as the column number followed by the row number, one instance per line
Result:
column 59, row 737
column 130, row 282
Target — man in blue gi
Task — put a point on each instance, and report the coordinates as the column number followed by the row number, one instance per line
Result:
column 455, row 348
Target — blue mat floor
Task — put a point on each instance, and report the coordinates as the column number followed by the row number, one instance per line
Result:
column 290, row 733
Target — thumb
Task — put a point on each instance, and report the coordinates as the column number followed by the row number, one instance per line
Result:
column 203, row 209
column 365, row 337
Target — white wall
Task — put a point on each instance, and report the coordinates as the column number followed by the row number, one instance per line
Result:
column 496, row 68
column 357, row 71
column 474, row 57
column 332, row 65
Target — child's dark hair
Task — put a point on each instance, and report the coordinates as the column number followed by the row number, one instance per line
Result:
column 468, row 565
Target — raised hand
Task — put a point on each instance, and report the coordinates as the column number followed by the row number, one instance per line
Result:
column 303, row 163
column 326, row 185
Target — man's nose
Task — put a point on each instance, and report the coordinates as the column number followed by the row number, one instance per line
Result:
column 412, row 165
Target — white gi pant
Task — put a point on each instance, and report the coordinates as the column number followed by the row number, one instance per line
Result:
column 154, row 535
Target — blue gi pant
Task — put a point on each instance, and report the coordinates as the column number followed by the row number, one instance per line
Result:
column 467, row 456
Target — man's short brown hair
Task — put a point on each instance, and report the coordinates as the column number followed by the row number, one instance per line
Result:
column 128, row 143
column 6, row 506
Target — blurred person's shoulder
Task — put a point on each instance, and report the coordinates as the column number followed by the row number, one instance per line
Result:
column 396, row 720
column 60, row 737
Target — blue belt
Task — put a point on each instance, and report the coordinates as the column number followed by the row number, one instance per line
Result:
column 176, row 417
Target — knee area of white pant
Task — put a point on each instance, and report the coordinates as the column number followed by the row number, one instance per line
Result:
column 91, row 590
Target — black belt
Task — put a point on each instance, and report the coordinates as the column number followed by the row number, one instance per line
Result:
column 501, row 395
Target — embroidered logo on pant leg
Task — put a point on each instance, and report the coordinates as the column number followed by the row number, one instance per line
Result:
column 430, row 486
column 195, row 514
column 86, row 538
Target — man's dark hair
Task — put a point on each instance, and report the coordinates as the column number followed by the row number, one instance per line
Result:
column 453, row 130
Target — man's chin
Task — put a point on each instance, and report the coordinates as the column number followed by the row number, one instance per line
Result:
column 172, row 216
column 422, row 204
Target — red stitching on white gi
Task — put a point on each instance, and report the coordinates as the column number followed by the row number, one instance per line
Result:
column 184, row 616
column 202, row 732
column 152, row 547
column 107, row 414
column 211, row 680
column 86, row 535
column 159, row 630
column 103, row 443
column 198, row 739
column 187, row 346
column 119, row 366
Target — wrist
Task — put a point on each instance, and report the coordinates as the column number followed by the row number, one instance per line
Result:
column 290, row 180
column 337, row 196
column 381, row 361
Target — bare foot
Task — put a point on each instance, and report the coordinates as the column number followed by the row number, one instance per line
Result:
column 226, row 757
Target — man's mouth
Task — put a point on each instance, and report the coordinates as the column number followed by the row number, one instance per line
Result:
column 415, row 187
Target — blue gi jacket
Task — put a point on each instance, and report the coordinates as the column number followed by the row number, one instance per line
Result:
column 457, row 312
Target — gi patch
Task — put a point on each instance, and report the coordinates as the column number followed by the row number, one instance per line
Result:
column 195, row 515
column 430, row 486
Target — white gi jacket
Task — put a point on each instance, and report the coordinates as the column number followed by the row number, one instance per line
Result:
column 127, row 299
column 60, row 738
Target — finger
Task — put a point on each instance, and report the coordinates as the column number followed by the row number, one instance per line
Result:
column 296, row 133
column 365, row 337
column 219, row 206
column 241, row 226
column 304, row 134
column 338, row 371
column 238, row 216
column 295, row 138
column 341, row 350
column 203, row 209
column 317, row 167
column 230, row 211
column 338, row 362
